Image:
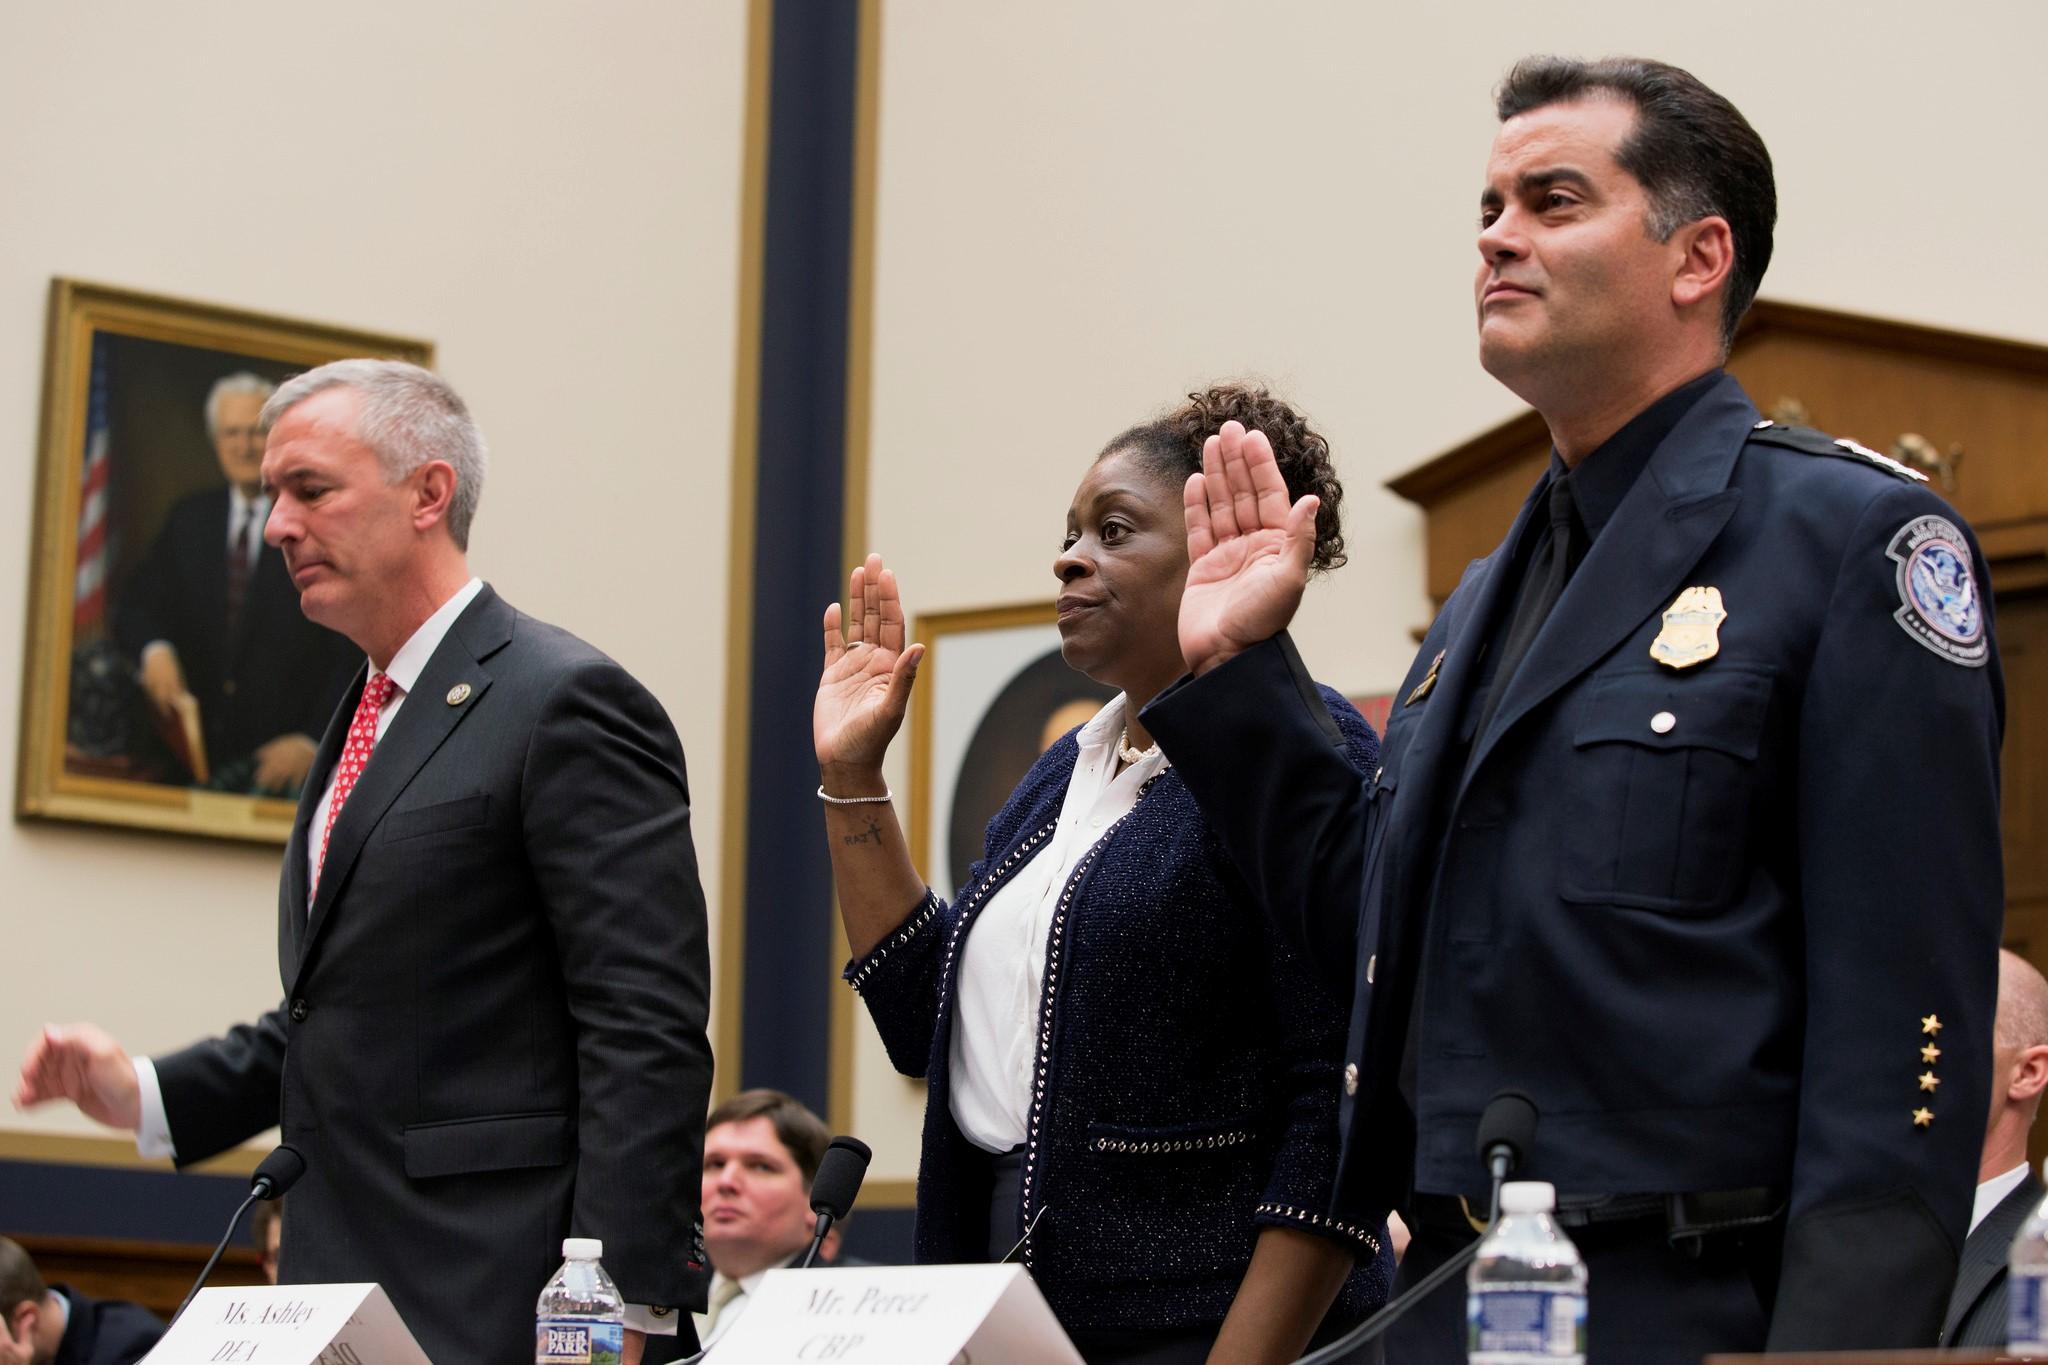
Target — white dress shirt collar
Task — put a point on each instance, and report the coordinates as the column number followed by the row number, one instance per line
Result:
column 1992, row 1193
column 411, row 659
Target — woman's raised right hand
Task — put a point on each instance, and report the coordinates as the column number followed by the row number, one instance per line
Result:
column 865, row 688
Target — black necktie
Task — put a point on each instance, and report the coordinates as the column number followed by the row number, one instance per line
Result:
column 240, row 565
column 1556, row 554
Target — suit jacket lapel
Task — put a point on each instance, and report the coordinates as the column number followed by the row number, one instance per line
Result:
column 1986, row 1251
column 293, row 910
column 422, row 724
column 1660, row 531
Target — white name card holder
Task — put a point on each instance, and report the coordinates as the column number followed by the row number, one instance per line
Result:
column 289, row 1324
column 897, row 1315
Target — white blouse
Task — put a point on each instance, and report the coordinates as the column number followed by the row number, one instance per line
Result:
column 1002, row 963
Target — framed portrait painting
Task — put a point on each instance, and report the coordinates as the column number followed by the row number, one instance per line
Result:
column 992, row 695
column 171, row 681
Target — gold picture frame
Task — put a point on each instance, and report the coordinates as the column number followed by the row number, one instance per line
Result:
column 130, row 442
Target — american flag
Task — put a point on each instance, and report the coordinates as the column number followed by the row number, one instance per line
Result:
column 89, row 598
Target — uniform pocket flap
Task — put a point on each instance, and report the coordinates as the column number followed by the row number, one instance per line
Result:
column 460, row 813
column 1662, row 710
column 503, row 1142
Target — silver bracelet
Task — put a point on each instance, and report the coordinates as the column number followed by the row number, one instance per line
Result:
column 886, row 796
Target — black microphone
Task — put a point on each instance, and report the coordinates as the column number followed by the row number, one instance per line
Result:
column 1507, row 1130
column 274, row 1175
column 833, row 1188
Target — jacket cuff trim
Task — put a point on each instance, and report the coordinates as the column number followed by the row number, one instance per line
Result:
column 1319, row 1222
column 925, row 911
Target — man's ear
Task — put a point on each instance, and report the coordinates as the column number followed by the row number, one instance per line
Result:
column 2029, row 1074
column 1706, row 259
column 435, row 485
column 22, row 1321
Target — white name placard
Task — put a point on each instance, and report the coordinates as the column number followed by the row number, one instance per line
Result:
column 289, row 1324
column 897, row 1315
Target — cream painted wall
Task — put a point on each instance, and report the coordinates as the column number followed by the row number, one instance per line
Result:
column 548, row 192
column 1085, row 209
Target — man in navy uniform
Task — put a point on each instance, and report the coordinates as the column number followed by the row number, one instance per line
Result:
column 1687, row 823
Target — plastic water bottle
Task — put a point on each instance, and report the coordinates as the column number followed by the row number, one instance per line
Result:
column 1527, row 1299
column 581, row 1319
column 2026, row 1325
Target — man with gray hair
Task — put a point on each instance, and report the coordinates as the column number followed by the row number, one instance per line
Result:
column 490, row 925
column 212, row 624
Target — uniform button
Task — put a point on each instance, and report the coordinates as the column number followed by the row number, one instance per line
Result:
column 1371, row 964
column 228, row 687
column 1662, row 722
column 1351, row 1078
column 299, row 1010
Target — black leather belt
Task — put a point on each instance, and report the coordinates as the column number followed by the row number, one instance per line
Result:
column 1686, row 1219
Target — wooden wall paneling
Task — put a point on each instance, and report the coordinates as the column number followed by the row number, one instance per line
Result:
column 156, row 1275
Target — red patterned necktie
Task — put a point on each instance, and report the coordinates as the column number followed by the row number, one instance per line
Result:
column 355, row 756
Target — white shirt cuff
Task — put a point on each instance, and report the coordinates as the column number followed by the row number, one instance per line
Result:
column 153, row 1134
column 641, row 1318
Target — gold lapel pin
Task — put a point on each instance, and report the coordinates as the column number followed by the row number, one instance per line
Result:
column 458, row 694
column 1930, row 1024
column 1923, row 1118
column 1428, row 680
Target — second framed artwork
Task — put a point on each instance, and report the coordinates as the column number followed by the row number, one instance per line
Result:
column 171, row 681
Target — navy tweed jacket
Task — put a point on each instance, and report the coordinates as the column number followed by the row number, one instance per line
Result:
column 1189, row 1063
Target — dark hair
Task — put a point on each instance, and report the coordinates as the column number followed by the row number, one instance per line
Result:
column 20, row 1281
column 1172, row 446
column 1692, row 151
column 796, row 1127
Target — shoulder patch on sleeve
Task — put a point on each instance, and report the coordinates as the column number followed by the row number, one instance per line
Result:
column 1939, row 605
column 1810, row 442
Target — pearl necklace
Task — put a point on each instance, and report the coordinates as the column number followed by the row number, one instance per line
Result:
column 1127, row 754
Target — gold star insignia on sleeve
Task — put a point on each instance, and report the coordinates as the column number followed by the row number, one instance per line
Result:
column 1930, row 1054
column 1928, row 1080
column 1930, row 1024
column 1923, row 1118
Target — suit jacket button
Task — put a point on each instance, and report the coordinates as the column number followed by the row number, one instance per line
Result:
column 299, row 1010
column 1351, row 1078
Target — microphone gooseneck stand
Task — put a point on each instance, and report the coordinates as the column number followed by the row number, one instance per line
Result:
column 1507, row 1127
column 276, row 1173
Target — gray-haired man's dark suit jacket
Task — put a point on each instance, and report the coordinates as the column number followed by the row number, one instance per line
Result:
column 493, row 1027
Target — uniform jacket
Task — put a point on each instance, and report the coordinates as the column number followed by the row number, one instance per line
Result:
column 1708, row 918
column 492, row 1034
column 276, row 674
column 1977, row 1304
column 1189, row 1066
column 104, row 1331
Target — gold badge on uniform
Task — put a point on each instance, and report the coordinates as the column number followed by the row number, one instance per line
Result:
column 1692, row 629
column 1428, row 681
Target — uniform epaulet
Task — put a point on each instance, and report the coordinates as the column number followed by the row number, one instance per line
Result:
column 1811, row 442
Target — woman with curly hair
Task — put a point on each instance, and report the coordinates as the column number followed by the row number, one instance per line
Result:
column 1132, row 1084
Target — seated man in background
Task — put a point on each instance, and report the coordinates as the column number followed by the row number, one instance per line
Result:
column 2007, row 1188
column 53, row 1325
column 761, row 1151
